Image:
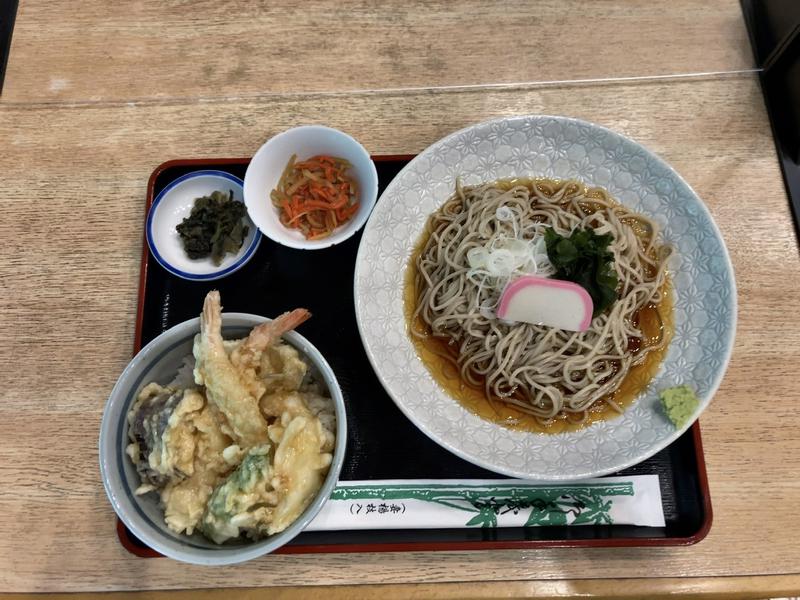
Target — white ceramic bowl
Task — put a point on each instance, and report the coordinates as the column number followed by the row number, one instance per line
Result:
column 173, row 204
column 159, row 361
column 558, row 148
column 268, row 164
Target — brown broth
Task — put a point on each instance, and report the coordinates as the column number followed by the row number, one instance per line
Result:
column 653, row 320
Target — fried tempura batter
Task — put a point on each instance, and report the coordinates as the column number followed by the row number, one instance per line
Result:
column 246, row 451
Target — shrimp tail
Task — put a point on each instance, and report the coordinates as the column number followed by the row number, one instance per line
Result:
column 290, row 320
column 267, row 334
column 211, row 319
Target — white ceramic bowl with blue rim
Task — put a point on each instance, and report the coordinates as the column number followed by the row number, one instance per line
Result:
column 159, row 361
column 269, row 162
column 173, row 204
column 558, row 148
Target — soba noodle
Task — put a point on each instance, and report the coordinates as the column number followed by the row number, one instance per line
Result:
column 545, row 372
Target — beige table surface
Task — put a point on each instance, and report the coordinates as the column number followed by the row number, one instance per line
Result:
column 96, row 97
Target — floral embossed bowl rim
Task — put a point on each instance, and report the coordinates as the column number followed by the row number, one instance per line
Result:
column 558, row 148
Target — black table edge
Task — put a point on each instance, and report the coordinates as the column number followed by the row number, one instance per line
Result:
column 776, row 53
column 8, row 14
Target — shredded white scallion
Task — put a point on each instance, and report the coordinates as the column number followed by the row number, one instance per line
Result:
column 505, row 256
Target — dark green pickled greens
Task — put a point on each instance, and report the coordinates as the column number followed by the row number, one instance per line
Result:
column 214, row 228
column 584, row 258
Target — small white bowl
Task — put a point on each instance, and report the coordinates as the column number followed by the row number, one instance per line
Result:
column 159, row 361
column 268, row 164
column 173, row 204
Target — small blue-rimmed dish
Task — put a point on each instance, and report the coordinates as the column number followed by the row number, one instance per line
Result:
column 158, row 362
column 173, row 204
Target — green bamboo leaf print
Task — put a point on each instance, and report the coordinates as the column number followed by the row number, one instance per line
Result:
column 486, row 517
column 556, row 518
column 546, row 514
column 555, row 504
column 596, row 514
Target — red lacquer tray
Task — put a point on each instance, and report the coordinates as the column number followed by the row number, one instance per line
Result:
column 278, row 278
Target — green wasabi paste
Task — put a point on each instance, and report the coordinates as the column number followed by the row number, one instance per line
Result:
column 679, row 404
